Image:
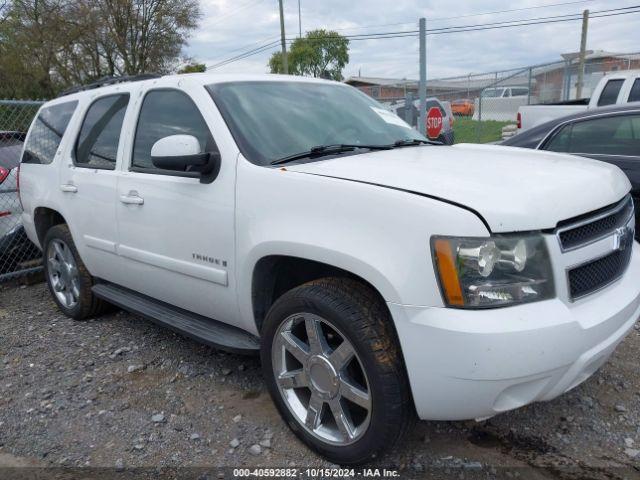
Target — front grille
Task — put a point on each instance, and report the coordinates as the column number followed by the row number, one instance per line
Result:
column 597, row 226
column 599, row 273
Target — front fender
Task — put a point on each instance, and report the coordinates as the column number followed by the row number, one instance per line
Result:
column 379, row 234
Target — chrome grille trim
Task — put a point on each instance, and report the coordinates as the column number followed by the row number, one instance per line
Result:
column 614, row 249
column 625, row 203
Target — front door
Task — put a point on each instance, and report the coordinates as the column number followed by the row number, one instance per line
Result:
column 176, row 239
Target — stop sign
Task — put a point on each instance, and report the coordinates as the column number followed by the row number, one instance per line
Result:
column 434, row 122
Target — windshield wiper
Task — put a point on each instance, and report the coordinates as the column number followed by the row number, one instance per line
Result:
column 414, row 141
column 322, row 150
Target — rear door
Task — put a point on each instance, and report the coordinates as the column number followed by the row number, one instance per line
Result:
column 88, row 181
column 177, row 234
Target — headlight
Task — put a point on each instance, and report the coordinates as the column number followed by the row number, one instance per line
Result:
column 492, row 272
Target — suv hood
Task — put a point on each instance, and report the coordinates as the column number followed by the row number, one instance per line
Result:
column 512, row 189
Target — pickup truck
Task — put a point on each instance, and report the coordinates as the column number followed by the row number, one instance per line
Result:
column 615, row 88
column 379, row 277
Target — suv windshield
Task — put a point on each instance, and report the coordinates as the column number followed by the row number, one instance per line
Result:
column 274, row 120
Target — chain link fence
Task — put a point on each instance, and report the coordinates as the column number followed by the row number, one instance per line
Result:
column 18, row 256
column 484, row 106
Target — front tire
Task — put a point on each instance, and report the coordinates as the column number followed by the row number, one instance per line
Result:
column 68, row 279
column 334, row 369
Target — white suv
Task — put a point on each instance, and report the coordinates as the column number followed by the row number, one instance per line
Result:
column 379, row 276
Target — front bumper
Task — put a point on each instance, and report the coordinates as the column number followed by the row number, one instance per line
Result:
column 471, row 364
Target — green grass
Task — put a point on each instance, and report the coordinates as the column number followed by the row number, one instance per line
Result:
column 472, row 131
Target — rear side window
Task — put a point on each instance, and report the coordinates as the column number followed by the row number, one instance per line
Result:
column 615, row 135
column 47, row 132
column 634, row 94
column 164, row 113
column 97, row 145
column 610, row 92
column 560, row 142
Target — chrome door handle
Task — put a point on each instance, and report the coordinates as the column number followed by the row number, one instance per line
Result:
column 68, row 188
column 132, row 199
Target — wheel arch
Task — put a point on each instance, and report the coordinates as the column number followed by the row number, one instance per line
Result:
column 44, row 218
column 274, row 274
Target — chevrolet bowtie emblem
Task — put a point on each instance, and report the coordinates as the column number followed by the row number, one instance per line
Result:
column 621, row 238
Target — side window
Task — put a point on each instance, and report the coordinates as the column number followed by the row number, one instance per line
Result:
column 615, row 135
column 97, row 145
column 164, row 113
column 507, row 93
column 560, row 141
column 634, row 94
column 609, row 93
column 47, row 132
column 519, row 92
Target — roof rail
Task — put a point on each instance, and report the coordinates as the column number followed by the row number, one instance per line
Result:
column 104, row 81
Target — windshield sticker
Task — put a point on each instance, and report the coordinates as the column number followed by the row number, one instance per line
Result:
column 390, row 117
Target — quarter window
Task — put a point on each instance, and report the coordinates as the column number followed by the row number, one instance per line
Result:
column 99, row 137
column 609, row 94
column 634, row 94
column 164, row 113
column 47, row 132
column 615, row 135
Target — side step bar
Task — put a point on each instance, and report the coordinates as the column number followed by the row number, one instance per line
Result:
column 203, row 329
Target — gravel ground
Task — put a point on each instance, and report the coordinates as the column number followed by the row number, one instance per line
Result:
column 121, row 392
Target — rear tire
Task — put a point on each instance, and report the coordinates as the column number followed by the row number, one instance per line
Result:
column 364, row 382
column 68, row 279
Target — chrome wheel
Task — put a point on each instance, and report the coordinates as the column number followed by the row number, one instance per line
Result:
column 321, row 379
column 63, row 273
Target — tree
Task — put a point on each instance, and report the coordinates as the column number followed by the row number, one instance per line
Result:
column 49, row 45
column 193, row 68
column 148, row 35
column 320, row 53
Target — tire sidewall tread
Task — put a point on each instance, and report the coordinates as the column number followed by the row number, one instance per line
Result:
column 88, row 304
column 360, row 315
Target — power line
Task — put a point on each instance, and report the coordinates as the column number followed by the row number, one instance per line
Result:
column 244, row 47
column 447, row 30
column 509, row 11
column 396, row 24
column 246, row 54
column 533, row 19
column 454, row 28
column 560, row 20
column 484, row 26
column 462, row 16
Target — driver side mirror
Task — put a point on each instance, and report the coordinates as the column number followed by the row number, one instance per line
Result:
column 181, row 154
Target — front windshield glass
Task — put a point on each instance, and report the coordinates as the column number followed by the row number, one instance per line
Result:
column 273, row 120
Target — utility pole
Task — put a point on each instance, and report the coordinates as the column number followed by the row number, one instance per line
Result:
column 299, row 21
column 422, row 118
column 285, row 62
column 583, row 51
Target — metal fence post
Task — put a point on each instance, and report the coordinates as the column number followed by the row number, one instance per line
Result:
column 422, row 117
column 530, row 85
column 479, row 125
column 408, row 110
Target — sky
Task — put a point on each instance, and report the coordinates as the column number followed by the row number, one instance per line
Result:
column 231, row 27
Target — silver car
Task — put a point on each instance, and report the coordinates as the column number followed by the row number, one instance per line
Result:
column 14, row 245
